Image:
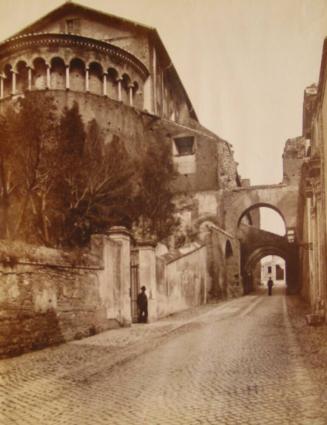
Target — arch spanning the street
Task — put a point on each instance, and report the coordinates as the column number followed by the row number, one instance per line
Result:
column 260, row 253
column 251, row 262
column 281, row 197
column 257, row 244
column 262, row 205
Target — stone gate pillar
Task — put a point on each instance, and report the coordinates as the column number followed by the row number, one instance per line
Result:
column 122, row 236
column 147, row 275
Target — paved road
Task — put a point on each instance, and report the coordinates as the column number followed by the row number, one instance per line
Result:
column 235, row 363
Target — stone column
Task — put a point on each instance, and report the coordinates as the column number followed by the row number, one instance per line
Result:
column 1, row 86
column 105, row 84
column 119, row 80
column 29, row 78
column 147, row 275
column 147, row 95
column 121, row 235
column 130, row 88
column 67, row 78
column 48, row 76
column 13, row 76
column 87, row 79
column 154, row 71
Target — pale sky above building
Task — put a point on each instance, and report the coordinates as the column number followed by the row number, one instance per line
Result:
column 244, row 63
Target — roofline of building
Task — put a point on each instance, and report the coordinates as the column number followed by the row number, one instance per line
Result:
column 323, row 64
column 70, row 4
column 322, row 73
column 149, row 30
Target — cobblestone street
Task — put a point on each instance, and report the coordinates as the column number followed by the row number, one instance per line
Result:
column 238, row 362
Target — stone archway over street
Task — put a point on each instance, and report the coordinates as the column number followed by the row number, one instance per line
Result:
column 256, row 243
column 280, row 197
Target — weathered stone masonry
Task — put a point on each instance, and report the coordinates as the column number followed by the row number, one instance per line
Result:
column 313, row 217
column 49, row 296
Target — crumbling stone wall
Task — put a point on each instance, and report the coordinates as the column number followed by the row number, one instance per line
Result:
column 293, row 157
column 48, row 296
column 224, row 263
column 227, row 167
column 181, row 280
column 309, row 107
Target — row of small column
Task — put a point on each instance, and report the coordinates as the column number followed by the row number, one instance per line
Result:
column 48, row 83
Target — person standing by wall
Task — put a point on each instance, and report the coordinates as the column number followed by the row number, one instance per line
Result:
column 142, row 304
column 270, row 285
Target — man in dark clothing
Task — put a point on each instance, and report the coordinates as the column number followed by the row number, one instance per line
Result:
column 142, row 304
column 270, row 285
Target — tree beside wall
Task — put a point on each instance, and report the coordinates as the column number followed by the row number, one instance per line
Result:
column 27, row 154
column 60, row 182
column 154, row 204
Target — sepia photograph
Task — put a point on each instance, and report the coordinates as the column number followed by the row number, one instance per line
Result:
column 163, row 220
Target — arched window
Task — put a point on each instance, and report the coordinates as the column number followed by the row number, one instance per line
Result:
column 21, row 77
column 58, row 74
column 39, row 74
column 228, row 250
column 8, row 80
column 112, row 83
column 126, row 81
column 137, row 96
column 77, row 75
column 95, row 78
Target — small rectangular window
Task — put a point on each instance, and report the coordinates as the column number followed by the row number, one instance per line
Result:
column 72, row 26
column 269, row 269
column 184, row 145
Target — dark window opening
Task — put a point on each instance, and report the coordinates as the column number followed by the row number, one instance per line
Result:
column 185, row 145
column 73, row 26
column 269, row 269
column 228, row 250
column 279, row 272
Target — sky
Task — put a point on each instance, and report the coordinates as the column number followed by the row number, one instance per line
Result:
column 244, row 63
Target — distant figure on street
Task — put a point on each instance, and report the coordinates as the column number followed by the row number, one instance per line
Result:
column 142, row 304
column 270, row 285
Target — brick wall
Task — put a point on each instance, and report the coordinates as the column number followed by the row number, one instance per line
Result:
column 49, row 296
